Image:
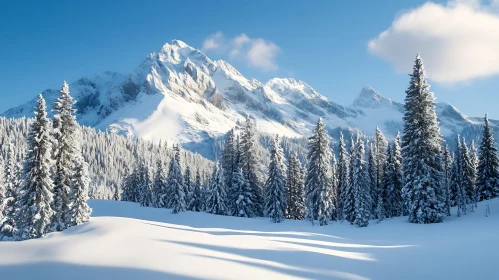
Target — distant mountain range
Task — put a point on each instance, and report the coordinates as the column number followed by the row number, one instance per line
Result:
column 179, row 94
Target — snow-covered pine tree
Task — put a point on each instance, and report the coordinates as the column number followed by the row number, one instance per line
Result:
column 11, row 185
column 397, row 179
column 33, row 211
column 205, row 191
column 295, row 188
column 233, row 188
column 447, row 162
column 215, row 202
column 351, row 156
column 160, row 198
column 456, row 180
column 275, row 193
column 421, row 143
column 392, row 182
column 127, row 188
column 361, row 190
column 228, row 156
column 195, row 203
column 318, row 193
column 474, row 163
column 334, row 187
column 2, row 191
column 79, row 210
column 144, row 185
column 372, row 176
column 381, row 145
column 487, row 182
column 188, row 187
column 65, row 153
column 386, row 186
column 175, row 184
column 241, row 196
column 251, row 166
column 349, row 199
column 468, row 175
column 116, row 192
column 343, row 177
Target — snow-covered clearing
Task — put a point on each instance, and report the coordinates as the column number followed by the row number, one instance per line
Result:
column 126, row 241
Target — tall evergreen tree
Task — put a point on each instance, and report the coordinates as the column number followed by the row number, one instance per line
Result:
column 458, row 193
column 343, row 177
column 295, row 188
column 349, row 199
column 361, row 190
column 318, row 192
column 487, row 182
column 34, row 213
column 188, row 187
column 2, row 191
column 65, row 153
column 381, row 145
column 215, row 202
column 387, row 185
column 275, row 198
column 468, row 175
column 334, row 187
column 421, row 143
column 241, row 196
column 79, row 210
column 251, row 166
column 160, row 197
column 195, row 203
column 11, row 185
column 474, row 165
column 372, row 176
column 205, row 192
column 144, row 191
column 398, row 178
column 129, row 189
column 228, row 156
column 447, row 162
column 175, row 184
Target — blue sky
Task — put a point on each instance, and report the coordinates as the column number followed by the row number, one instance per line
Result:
column 324, row 43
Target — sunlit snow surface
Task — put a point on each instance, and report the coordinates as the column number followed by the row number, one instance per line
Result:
column 126, row 241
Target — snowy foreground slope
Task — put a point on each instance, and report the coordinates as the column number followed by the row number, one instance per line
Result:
column 126, row 241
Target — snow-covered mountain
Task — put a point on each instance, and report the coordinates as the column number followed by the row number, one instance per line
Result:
column 178, row 93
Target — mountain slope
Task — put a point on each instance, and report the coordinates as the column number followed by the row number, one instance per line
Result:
column 126, row 241
column 179, row 94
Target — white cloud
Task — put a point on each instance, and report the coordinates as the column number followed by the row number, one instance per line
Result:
column 256, row 52
column 241, row 39
column 213, row 42
column 458, row 41
column 261, row 54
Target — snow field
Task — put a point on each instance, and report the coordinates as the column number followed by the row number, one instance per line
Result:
column 126, row 241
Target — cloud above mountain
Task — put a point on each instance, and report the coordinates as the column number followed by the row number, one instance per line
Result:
column 255, row 52
column 459, row 41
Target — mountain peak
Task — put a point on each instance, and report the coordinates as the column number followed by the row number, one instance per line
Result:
column 370, row 98
column 227, row 67
column 286, row 82
column 174, row 46
column 179, row 43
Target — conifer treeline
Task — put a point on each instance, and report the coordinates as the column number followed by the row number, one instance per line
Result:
column 414, row 175
column 50, row 191
column 358, row 180
column 111, row 157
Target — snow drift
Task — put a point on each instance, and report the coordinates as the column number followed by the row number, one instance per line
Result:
column 126, row 241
